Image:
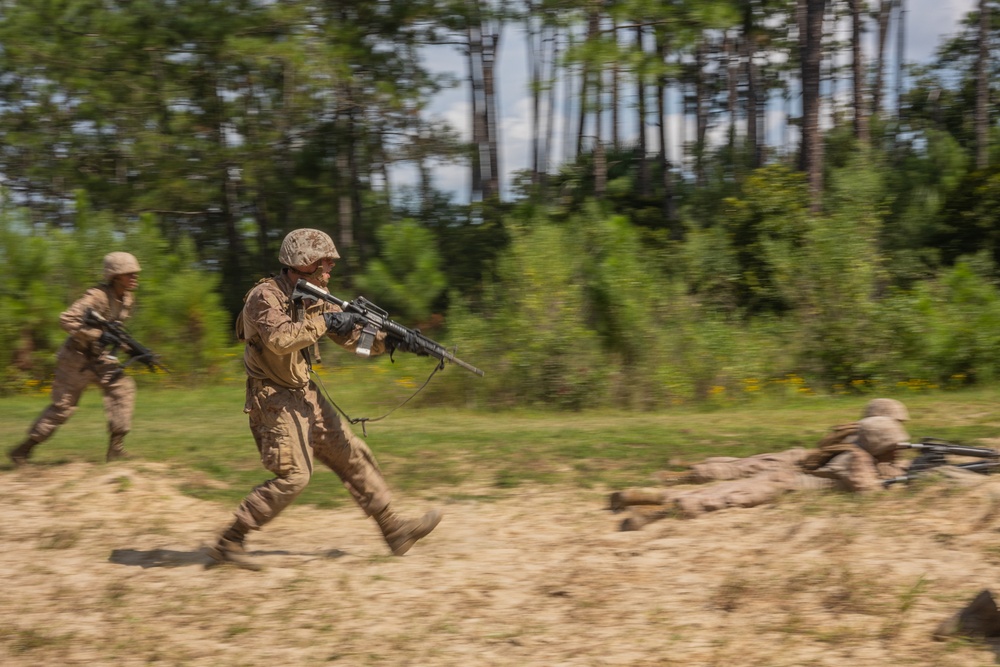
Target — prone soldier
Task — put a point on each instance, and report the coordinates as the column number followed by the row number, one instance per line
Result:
column 855, row 457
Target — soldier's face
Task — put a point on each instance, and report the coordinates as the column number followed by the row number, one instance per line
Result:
column 126, row 282
column 317, row 273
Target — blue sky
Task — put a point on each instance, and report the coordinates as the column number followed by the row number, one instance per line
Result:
column 928, row 22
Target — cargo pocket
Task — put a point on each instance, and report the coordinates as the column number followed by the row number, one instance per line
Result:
column 277, row 454
column 265, row 412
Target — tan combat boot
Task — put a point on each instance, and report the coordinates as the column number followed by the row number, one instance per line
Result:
column 638, row 518
column 619, row 500
column 230, row 550
column 116, row 450
column 401, row 534
column 20, row 454
column 980, row 619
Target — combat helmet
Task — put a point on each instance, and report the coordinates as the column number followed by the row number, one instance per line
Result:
column 117, row 263
column 880, row 434
column 886, row 407
column 303, row 247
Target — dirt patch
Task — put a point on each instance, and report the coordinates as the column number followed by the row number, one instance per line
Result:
column 103, row 566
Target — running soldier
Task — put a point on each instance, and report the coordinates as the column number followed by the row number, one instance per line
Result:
column 292, row 423
column 84, row 359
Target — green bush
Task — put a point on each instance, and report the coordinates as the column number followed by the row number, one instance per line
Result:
column 533, row 334
column 946, row 331
column 178, row 312
column 407, row 279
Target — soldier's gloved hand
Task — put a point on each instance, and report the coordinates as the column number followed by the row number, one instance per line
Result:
column 106, row 339
column 342, row 323
column 410, row 344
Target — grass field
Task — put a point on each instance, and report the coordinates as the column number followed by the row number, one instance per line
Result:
column 104, row 562
column 421, row 447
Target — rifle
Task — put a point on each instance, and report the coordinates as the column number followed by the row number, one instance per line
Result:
column 377, row 319
column 121, row 338
column 933, row 453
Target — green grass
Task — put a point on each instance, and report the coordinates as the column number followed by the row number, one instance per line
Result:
column 427, row 449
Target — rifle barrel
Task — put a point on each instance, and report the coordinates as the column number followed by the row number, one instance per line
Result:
column 941, row 447
column 433, row 347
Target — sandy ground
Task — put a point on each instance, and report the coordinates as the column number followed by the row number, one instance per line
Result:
column 103, row 565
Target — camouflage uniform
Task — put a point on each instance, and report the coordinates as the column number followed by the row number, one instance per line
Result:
column 293, row 424
column 291, row 421
column 849, row 459
column 83, row 360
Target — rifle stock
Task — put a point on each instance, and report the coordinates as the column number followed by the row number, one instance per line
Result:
column 377, row 319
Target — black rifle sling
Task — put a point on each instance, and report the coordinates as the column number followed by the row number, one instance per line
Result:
column 364, row 420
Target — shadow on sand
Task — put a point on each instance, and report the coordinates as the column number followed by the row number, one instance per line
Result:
column 172, row 558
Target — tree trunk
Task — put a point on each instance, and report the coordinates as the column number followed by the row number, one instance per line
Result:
column 982, row 120
column 615, row 95
column 669, row 208
column 549, row 142
column 749, row 49
column 900, row 58
column 536, row 62
column 491, row 182
column 732, row 80
column 641, row 98
column 581, row 126
column 858, row 71
column 228, row 214
column 482, row 49
column 700, row 113
column 600, row 159
column 884, row 14
column 478, row 92
column 811, row 48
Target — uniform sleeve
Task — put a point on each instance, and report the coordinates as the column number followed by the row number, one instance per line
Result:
column 265, row 312
column 855, row 470
column 71, row 319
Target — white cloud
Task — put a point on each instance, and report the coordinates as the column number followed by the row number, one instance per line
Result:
column 928, row 22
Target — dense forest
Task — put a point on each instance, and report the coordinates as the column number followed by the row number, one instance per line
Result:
column 849, row 242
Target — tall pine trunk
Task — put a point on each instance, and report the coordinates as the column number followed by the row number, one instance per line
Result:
column 858, row 72
column 536, row 64
column 983, row 88
column 615, row 95
column 811, row 48
column 491, row 45
column 641, row 99
column 900, row 60
column 477, row 89
column 549, row 142
column 731, row 49
column 749, row 49
column 669, row 206
column 700, row 112
column 884, row 14
column 482, row 50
